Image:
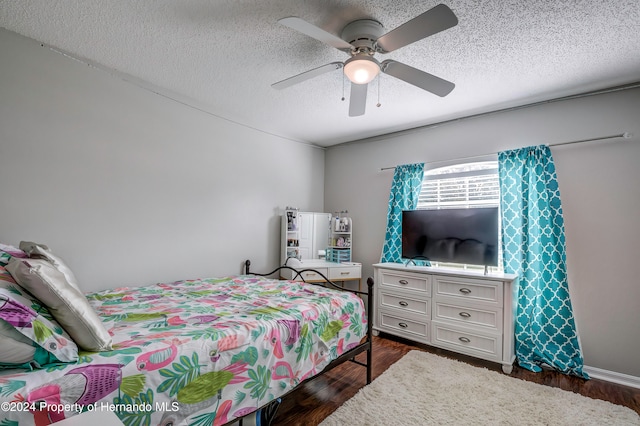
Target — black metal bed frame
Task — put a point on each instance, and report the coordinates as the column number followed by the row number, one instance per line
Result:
column 350, row 355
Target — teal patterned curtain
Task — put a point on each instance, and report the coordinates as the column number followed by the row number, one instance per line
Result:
column 533, row 244
column 407, row 181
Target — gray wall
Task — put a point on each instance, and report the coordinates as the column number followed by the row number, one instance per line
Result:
column 600, row 195
column 131, row 188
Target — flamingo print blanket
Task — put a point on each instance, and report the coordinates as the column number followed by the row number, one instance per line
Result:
column 193, row 352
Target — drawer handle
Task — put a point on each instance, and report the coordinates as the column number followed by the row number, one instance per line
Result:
column 465, row 314
column 403, row 303
column 403, row 324
column 464, row 339
column 344, row 273
column 403, row 282
column 465, row 290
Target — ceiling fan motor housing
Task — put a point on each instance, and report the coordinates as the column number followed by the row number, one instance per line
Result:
column 362, row 35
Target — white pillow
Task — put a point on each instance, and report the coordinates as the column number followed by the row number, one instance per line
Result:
column 66, row 303
column 41, row 251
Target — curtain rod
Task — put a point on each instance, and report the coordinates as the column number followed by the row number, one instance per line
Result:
column 625, row 135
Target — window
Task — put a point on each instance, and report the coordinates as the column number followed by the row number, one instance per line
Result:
column 462, row 186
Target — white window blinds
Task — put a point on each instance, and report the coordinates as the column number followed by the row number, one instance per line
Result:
column 462, row 186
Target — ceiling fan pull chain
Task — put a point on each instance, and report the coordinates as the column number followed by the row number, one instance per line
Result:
column 343, row 86
column 379, row 104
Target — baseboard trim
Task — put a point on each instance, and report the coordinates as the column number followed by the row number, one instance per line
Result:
column 612, row 376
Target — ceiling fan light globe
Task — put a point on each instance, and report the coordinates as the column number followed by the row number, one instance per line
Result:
column 361, row 70
column 361, row 76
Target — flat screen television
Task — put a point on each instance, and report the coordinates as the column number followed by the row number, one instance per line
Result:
column 451, row 235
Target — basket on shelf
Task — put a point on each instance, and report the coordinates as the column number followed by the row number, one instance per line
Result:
column 338, row 255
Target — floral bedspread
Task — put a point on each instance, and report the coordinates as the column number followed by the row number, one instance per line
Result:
column 195, row 352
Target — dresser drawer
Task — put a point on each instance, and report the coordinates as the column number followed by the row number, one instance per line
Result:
column 405, row 304
column 345, row 273
column 486, row 346
column 405, row 281
column 473, row 290
column 396, row 324
column 312, row 276
column 489, row 317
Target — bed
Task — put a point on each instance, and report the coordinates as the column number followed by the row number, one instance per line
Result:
column 197, row 352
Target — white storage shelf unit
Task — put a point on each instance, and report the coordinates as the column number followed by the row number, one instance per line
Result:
column 465, row 312
column 340, row 239
column 290, row 239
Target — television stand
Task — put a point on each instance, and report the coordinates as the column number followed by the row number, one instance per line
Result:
column 462, row 311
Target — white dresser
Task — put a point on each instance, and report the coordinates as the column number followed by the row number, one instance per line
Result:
column 462, row 311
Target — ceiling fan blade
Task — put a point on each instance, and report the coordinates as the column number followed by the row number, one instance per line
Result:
column 429, row 23
column 312, row 31
column 307, row 75
column 358, row 99
column 418, row 78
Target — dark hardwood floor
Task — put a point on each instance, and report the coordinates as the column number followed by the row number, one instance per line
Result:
column 318, row 398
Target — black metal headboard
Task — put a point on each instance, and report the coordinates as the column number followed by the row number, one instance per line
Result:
column 298, row 274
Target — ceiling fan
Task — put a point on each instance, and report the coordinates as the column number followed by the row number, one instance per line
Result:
column 362, row 39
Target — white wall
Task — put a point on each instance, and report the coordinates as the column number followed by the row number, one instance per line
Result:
column 599, row 189
column 131, row 188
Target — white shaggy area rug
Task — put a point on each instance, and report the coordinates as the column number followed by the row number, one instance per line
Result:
column 426, row 389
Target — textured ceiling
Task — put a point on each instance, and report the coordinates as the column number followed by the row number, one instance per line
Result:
column 223, row 55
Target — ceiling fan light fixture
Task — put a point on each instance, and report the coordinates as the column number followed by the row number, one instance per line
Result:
column 361, row 69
